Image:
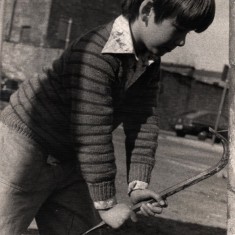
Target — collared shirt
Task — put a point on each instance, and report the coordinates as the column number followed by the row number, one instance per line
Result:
column 120, row 40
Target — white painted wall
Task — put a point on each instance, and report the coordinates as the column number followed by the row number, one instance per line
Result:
column 208, row 50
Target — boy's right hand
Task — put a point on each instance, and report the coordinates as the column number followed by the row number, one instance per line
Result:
column 116, row 216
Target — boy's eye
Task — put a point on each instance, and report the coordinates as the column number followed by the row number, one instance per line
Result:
column 180, row 28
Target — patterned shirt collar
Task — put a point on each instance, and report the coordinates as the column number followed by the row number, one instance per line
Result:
column 120, row 39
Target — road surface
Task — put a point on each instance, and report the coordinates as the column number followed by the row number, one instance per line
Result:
column 202, row 206
column 198, row 210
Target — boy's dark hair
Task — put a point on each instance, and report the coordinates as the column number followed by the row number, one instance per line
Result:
column 194, row 15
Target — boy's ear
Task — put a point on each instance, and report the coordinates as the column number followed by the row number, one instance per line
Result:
column 145, row 10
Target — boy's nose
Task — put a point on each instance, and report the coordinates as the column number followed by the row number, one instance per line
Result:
column 180, row 42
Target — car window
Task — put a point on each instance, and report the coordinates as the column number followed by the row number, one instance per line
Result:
column 195, row 114
column 186, row 114
column 207, row 119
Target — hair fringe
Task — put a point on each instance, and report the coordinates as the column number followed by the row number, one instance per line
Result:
column 193, row 14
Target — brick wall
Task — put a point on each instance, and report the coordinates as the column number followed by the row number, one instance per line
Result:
column 85, row 15
column 39, row 23
column 182, row 93
column 208, row 97
column 22, row 61
column 27, row 21
column 174, row 98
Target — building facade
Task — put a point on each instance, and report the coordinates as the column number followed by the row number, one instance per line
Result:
column 48, row 23
column 82, row 15
column 26, row 21
column 36, row 32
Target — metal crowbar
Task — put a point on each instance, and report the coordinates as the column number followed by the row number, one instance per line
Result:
column 187, row 183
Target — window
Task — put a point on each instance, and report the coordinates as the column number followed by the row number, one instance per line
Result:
column 25, row 34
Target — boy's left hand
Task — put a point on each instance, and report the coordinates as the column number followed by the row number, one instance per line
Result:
column 148, row 209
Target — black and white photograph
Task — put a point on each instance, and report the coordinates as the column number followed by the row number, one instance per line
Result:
column 117, row 117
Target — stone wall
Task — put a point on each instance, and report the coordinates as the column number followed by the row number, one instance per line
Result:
column 41, row 23
column 182, row 93
column 85, row 15
column 27, row 21
column 22, row 61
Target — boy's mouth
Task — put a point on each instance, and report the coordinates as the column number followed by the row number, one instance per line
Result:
column 167, row 49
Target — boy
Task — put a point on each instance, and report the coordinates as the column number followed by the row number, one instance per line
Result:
column 57, row 161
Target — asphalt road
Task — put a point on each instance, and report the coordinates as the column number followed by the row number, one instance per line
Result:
column 200, row 209
column 177, row 159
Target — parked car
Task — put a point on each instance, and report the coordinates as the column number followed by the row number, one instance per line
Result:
column 197, row 122
column 6, row 94
column 8, row 87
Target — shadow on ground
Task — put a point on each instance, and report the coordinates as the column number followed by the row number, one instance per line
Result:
column 159, row 226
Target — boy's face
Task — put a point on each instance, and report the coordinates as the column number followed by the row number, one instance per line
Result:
column 163, row 37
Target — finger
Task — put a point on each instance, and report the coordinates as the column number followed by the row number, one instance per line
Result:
column 157, row 204
column 148, row 209
column 156, row 210
column 152, row 210
column 158, row 199
column 144, row 210
column 158, row 213
column 162, row 203
column 133, row 217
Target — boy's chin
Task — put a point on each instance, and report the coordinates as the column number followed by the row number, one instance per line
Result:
column 160, row 52
column 164, row 51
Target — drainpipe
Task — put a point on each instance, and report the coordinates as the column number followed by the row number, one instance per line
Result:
column 67, row 40
column 11, row 20
column 231, row 165
column 2, row 9
column 225, row 76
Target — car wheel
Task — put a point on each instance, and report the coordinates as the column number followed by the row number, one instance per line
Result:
column 202, row 135
column 217, row 140
column 180, row 134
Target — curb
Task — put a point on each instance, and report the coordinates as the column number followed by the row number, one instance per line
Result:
column 190, row 141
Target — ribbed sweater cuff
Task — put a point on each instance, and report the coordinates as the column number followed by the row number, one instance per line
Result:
column 140, row 172
column 102, row 191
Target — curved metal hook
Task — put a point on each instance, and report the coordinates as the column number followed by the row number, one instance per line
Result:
column 195, row 179
column 187, row 183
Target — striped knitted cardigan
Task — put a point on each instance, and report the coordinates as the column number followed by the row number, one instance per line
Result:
column 73, row 109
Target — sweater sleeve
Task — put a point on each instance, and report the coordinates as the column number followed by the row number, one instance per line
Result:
column 141, row 126
column 90, row 75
